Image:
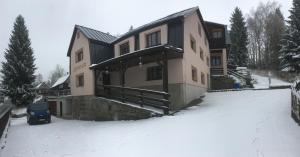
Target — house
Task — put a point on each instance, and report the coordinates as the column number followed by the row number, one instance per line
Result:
column 164, row 64
column 41, row 89
column 57, row 96
column 62, row 83
column 219, row 43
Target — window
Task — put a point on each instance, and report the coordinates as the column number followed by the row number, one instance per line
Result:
column 205, row 42
column 201, row 54
column 217, row 33
column 202, row 78
column 199, row 29
column 80, row 80
column 124, row 48
column 79, row 56
column 153, row 39
column 193, row 43
column 207, row 61
column 215, row 60
column 194, row 74
column 208, row 81
column 154, row 73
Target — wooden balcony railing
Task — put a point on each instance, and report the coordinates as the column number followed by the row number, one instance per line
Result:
column 216, row 71
column 156, row 99
column 59, row 92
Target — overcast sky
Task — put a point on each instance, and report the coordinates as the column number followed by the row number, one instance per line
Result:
column 51, row 22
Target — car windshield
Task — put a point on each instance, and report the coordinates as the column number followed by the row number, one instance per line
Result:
column 39, row 106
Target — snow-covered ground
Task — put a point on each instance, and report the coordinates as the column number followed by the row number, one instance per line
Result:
column 262, row 82
column 226, row 124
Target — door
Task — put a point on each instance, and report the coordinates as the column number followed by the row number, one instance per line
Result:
column 61, row 111
column 52, row 107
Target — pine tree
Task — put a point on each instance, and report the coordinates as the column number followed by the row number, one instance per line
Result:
column 18, row 69
column 290, row 44
column 238, row 35
column 274, row 30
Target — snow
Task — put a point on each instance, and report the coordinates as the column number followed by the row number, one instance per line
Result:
column 38, row 86
column 19, row 111
column 225, row 124
column 38, row 98
column 262, row 82
column 60, row 81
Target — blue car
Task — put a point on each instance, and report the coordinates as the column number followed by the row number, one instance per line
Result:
column 38, row 112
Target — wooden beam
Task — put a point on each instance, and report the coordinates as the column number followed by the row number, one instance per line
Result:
column 165, row 79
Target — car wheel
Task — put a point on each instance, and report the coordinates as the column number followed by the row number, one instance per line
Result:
column 29, row 122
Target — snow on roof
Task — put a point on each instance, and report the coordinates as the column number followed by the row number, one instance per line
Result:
column 60, row 81
column 39, row 85
column 42, row 85
column 296, row 56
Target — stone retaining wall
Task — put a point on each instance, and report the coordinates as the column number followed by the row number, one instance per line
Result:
column 101, row 109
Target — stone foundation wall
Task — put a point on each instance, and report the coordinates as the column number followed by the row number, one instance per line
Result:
column 101, row 109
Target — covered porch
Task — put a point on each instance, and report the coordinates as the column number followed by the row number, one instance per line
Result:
column 106, row 72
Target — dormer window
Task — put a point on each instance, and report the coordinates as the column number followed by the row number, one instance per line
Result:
column 124, row 48
column 153, row 39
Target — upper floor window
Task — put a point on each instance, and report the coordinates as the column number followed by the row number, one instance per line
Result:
column 194, row 74
column 216, row 61
column 202, row 78
column 201, row 54
column 124, row 48
column 217, row 33
column 153, row 39
column 205, row 42
column 193, row 43
column 199, row 29
column 207, row 61
column 79, row 56
column 80, row 80
column 154, row 73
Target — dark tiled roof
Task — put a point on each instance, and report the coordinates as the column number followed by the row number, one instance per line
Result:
column 96, row 35
column 182, row 13
column 109, row 39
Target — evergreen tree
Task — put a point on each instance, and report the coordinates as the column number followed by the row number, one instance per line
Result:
column 274, row 30
column 238, row 35
column 290, row 44
column 18, row 69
